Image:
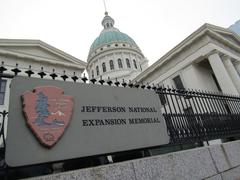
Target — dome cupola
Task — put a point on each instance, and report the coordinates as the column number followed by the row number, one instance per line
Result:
column 107, row 21
column 114, row 54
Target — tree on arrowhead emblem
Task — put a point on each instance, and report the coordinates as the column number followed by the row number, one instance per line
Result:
column 42, row 109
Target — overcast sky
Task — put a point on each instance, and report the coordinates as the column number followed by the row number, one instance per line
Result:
column 72, row 25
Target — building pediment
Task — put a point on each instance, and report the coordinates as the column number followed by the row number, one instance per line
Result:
column 222, row 35
column 38, row 51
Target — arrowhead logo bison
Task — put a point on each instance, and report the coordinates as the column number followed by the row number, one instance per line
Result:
column 47, row 113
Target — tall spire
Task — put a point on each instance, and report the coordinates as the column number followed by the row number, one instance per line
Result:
column 105, row 7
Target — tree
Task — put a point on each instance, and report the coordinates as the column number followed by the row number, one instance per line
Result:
column 42, row 109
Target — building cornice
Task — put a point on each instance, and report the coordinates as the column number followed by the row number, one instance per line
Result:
column 43, row 45
column 40, row 59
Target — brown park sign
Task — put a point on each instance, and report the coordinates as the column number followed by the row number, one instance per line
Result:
column 55, row 120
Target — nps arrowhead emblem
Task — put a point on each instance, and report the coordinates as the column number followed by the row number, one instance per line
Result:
column 47, row 113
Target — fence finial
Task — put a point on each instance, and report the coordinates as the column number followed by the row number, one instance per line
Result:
column 124, row 84
column 74, row 77
column 42, row 73
column 84, row 79
column 142, row 86
column 148, row 86
column 136, row 84
column 53, row 74
column 130, row 84
column 16, row 70
column 109, row 82
column 29, row 72
column 64, row 76
column 101, row 81
column 117, row 82
column 2, row 68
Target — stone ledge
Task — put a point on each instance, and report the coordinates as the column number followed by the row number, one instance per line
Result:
column 232, row 151
column 213, row 163
column 232, row 174
column 118, row 171
column 219, row 158
column 184, row 165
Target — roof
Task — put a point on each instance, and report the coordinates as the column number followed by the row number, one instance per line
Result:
column 113, row 36
column 211, row 29
column 110, row 35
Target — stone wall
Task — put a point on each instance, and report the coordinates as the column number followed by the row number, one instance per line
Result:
column 216, row 162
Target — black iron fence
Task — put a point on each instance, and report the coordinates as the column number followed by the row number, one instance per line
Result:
column 190, row 115
column 196, row 116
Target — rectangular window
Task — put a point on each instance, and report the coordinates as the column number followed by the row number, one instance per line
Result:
column 2, row 90
column 178, row 82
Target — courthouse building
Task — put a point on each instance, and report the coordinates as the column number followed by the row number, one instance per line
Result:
column 36, row 56
column 208, row 59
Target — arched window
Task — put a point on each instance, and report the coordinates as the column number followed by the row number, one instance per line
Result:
column 120, row 65
column 111, row 64
column 128, row 63
column 135, row 64
column 97, row 70
column 104, row 67
column 92, row 74
column 107, row 25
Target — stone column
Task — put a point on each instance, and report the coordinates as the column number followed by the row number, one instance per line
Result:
column 232, row 72
column 237, row 66
column 221, row 74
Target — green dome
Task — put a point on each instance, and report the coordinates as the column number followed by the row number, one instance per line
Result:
column 107, row 37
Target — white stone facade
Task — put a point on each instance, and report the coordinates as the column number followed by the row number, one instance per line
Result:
column 207, row 60
column 125, row 71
